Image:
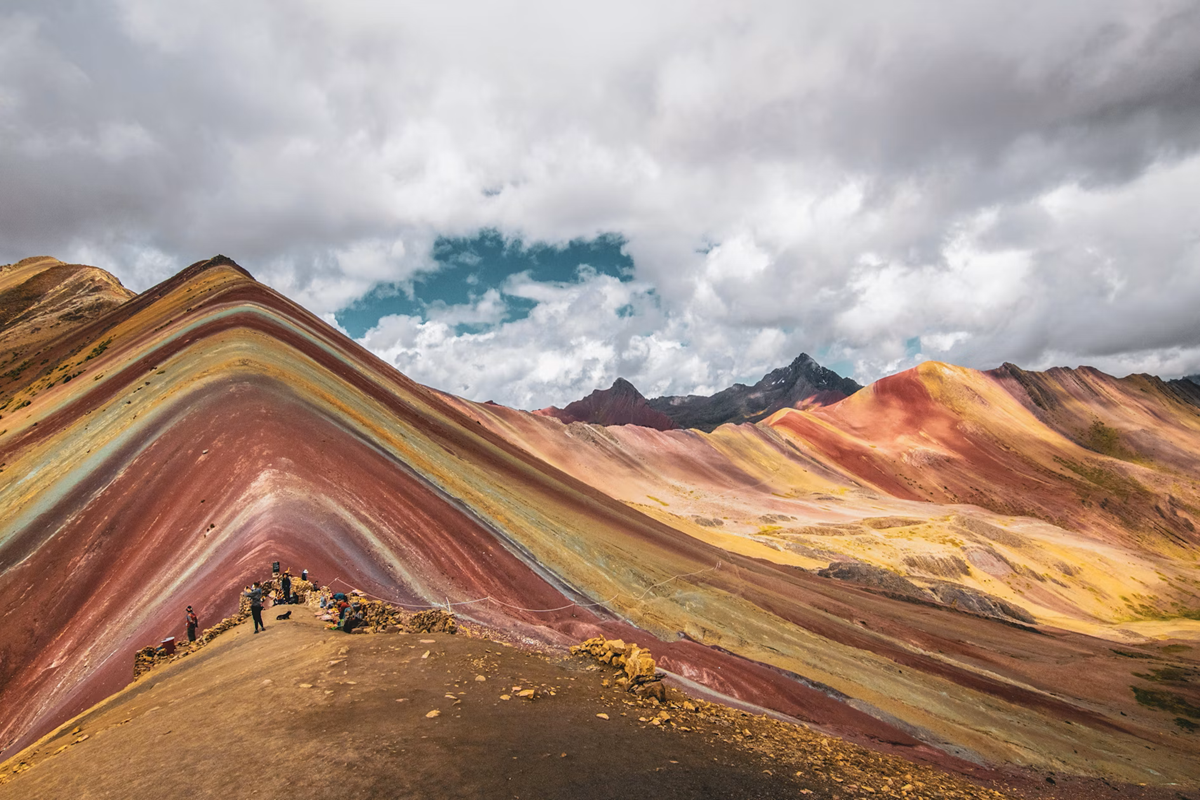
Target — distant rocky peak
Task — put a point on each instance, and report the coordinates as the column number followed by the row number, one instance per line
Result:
column 806, row 368
column 800, row 384
column 622, row 387
column 804, row 375
column 622, row 404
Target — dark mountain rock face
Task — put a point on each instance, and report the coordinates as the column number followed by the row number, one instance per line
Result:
column 622, row 404
column 1187, row 388
column 954, row 595
column 801, row 384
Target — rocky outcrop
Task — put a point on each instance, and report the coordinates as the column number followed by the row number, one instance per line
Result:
column 874, row 578
column 639, row 676
column 974, row 601
column 803, row 383
column 954, row 595
column 622, row 404
column 383, row 617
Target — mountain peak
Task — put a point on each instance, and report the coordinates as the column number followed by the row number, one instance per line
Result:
column 42, row 298
column 802, row 359
column 801, row 384
column 624, row 387
column 622, row 404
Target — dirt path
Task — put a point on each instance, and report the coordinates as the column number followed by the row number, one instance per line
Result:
column 302, row 712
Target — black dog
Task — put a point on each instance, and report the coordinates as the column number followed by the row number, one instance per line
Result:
column 284, row 615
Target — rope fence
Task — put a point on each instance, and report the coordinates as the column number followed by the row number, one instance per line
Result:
column 449, row 606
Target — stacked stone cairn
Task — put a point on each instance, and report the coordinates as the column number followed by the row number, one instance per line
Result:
column 637, row 666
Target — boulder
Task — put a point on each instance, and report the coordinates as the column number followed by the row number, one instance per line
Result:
column 652, row 690
column 639, row 666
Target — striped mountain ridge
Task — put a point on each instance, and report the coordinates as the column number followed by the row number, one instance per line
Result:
column 164, row 450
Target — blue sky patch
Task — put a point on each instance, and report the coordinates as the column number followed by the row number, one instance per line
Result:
column 843, row 367
column 467, row 267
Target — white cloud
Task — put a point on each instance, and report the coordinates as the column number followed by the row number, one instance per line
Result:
column 1004, row 183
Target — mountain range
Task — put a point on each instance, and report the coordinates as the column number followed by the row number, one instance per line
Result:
column 991, row 574
column 802, row 384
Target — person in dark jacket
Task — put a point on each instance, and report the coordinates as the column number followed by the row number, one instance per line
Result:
column 192, row 622
column 255, row 593
column 285, row 583
column 352, row 621
column 352, row 618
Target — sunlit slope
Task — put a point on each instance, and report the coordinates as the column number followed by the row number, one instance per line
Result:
column 322, row 456
column 769, row 493
column 42, row 299
column 1115, row 538
column 794, row 498
column 1139, row 419
column 949, row 434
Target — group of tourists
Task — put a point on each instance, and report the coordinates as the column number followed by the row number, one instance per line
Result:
column 349, row 614
column 257, row 594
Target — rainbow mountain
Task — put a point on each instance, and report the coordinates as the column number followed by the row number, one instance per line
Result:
column 973, row 569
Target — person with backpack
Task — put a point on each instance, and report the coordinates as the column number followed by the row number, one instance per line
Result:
column 255, row 593
column 192, row 622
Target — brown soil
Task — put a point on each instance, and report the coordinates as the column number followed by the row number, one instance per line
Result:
column 301, row 711
column 305, row 712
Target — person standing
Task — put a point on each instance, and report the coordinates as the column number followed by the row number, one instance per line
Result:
column 192, row 622
column 255, row 593
column 285, row 583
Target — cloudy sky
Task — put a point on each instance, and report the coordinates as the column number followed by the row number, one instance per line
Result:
column 522, row 204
